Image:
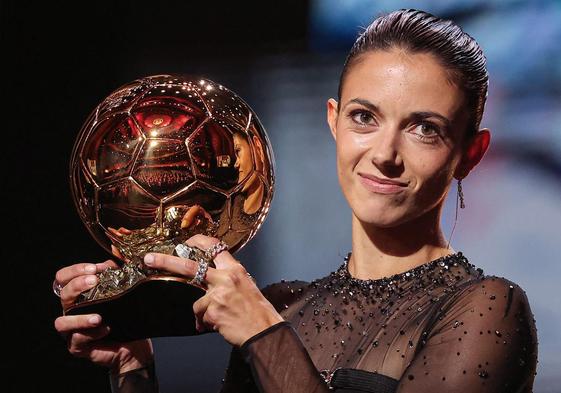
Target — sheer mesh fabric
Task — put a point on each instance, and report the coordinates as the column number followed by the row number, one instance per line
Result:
column 443, row 326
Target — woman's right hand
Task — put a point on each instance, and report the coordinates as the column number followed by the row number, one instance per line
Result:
column 85, row 333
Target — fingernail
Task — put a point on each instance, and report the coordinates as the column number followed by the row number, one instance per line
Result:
column 149, row 259
column 91, row 280
column 94, row 319
column 90, row 269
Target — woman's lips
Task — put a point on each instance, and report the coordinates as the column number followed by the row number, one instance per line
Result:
column 375, row 186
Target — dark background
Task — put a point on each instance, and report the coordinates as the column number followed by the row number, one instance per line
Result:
column 60, row 60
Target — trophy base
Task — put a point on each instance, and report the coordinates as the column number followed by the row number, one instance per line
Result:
column 157, row 306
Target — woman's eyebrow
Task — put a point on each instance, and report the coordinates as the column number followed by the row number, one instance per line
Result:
column 363, row 102
column 427, row 114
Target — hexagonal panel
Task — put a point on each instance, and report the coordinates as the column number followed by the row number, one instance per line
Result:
column 213, row 155
column 122, row 98
column 125, row 204
column 85, row 190
column 163, row 167
column 225, row 107
column 171, row 111
column 109, row 150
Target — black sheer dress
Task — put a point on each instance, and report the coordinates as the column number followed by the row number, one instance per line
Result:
column 443, row 326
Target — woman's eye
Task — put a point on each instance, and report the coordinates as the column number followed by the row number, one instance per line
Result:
column 426, row 131
column 361, row 117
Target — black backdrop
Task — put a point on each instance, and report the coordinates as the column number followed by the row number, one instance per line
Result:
column 60, row 61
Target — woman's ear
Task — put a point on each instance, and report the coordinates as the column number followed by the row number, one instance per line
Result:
column 473, row 153
column 332, row 113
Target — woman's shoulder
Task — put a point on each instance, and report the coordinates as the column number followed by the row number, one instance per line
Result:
column 486, row 288
column 492, row 301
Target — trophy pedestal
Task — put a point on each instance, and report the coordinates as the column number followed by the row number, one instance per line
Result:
column 153, row 307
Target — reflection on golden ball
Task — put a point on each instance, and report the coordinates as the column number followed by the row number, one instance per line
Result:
column 165, row 157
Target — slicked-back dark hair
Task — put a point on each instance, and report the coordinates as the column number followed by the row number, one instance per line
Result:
column 421, row 32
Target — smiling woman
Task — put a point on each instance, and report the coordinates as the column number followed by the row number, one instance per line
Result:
column 404, row 312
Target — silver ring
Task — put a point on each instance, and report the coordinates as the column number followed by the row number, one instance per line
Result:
column 57, row 287
column 201, row 273
column 183, row 251
column 216, row 249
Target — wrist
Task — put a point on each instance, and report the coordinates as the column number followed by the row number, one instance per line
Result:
column 267, row 323
column 138, row 355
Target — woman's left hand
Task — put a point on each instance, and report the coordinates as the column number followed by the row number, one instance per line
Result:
column 233, row 305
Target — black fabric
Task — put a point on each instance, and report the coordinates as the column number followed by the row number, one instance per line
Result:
column 443, row 326
column 352, row 380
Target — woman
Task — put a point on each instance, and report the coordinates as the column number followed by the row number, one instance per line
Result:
column 405, row 312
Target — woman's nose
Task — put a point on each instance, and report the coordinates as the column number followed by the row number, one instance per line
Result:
column 385, row 148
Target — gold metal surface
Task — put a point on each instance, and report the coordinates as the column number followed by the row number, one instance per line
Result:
column 161, row 159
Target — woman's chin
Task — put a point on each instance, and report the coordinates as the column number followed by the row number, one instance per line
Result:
column 381, row 220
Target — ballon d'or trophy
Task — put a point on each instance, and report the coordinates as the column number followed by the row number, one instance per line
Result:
column 159, row 160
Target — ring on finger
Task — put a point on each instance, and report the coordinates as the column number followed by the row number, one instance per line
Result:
column 201, row 273
column 57, row 287
column 216, row 249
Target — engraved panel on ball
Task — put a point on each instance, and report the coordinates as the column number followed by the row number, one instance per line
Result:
column 85, row 198
column 122, row 98
column 199, row 209
column 213, row 155
column 110, row 149
column 226, row 107
column 163, row 167
column 170, row 111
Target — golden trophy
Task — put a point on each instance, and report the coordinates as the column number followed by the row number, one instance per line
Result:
column 159, row 160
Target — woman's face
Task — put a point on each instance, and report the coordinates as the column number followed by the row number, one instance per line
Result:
column 243, row 163
column 400, row 118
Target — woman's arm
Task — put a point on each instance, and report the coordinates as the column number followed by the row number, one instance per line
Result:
column 279, row 362
column 484, row 341
column 274, row 360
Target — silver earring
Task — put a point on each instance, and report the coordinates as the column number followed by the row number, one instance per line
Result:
column 461, row 194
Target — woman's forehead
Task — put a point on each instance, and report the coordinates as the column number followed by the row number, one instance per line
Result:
column 399, row 80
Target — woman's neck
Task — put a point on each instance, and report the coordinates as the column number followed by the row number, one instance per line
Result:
column 381, row 252
column 254, row 195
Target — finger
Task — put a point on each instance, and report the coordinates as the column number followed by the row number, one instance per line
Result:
column 108, row 264
column 67, row 273
column 70, row 323
column 221, row 260
column 200, row 306
column 189, row 217
column 70, row 292
column 64, row 275
column 83, row 337
column 199, row 309
column 79, row 342
column 172, row 264
column 209, row 318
